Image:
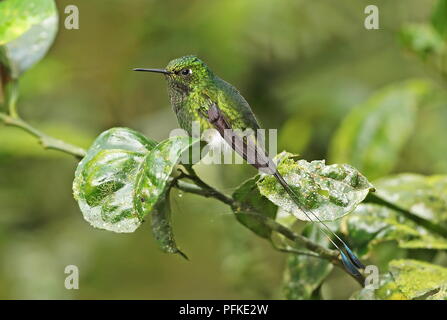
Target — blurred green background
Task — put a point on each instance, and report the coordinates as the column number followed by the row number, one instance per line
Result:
column 302, row 65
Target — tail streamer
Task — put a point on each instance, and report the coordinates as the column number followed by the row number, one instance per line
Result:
column 349, row 259
column 249, row 150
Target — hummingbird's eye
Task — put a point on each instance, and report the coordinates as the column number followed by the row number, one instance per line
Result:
column 185, row 72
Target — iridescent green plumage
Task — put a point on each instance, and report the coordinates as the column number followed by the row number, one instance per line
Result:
column 192, row 93
column 198, row 95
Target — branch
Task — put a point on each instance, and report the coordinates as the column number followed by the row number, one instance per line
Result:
column 45, row 140
column 203, row 189
column 199, row 187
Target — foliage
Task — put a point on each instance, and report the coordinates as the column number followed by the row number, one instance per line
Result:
column 373, row 134
column 330, row 192
column 125, row 177
column 438, row 19
column 409, row 279
column 427, row 40
column 27, row 30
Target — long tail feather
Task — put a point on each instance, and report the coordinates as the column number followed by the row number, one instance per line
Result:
column 349, row 259
column 349, row 265
column 246, row 147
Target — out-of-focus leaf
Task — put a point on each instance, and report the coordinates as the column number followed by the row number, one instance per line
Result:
column 304, row 274
column 408, row 279
column 18, row 143
column 425, row 196
column 27, row 30
column 156, row 169
column 422, row 39
column 104, row 183
column 439, row 17
column 162, row 227
column 248, row 196
column 373, row 134
column 329, row 191
column 123, row 177
column 388, row 289
column 267, row 34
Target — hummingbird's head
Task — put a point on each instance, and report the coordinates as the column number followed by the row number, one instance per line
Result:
column 185, row 73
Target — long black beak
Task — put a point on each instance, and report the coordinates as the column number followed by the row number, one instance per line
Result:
column 153, row 70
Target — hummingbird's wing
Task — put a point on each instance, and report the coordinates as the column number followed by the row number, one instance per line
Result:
column 246, row 146
column 234, row 106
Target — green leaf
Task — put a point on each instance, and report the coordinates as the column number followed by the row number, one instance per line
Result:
column 304, row 274
column 27, row 30
column 387, row 290
column 162, row 227
column 289, row 140
column 156, row 169
column 409, row 279
column 373, row 134
column 372, row 224
column 422, row 39
column 425, row 196
column 329, row 191
column 417, row 279
column 123, row 177
column 104, row 183
column 439, row 17
column 441, row 294
column 18, row 143
column 251, row 201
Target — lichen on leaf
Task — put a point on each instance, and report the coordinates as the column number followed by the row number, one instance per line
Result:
column 328, row 191
column 104, row 181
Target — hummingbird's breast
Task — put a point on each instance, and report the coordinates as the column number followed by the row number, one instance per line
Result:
column 190, row 107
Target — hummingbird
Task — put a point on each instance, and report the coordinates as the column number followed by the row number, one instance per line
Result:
column 197, row 94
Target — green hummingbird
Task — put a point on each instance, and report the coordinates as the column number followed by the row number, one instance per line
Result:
column 199, row 95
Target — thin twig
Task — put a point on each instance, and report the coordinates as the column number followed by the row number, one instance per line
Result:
column 203, row 189
column 291, row 250
column 45, row 140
